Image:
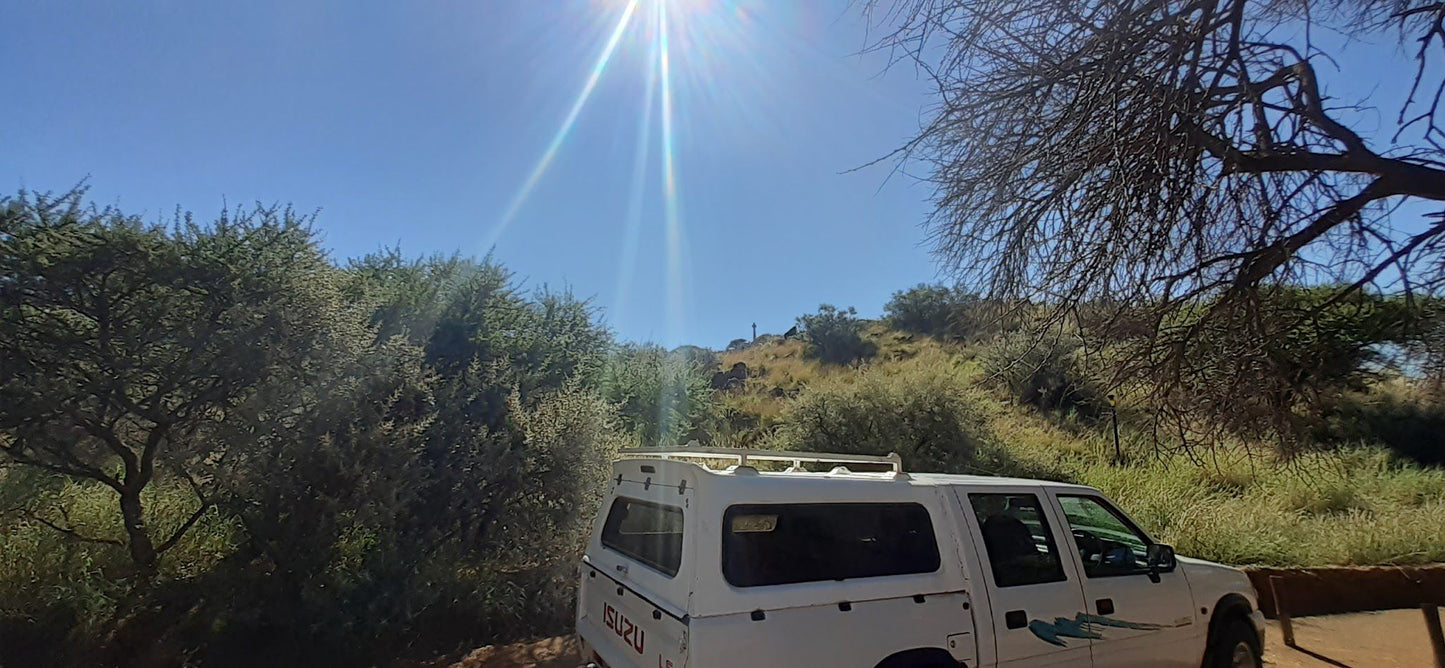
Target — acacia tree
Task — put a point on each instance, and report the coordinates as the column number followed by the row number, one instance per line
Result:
column 121, row 342
column 1167, row 158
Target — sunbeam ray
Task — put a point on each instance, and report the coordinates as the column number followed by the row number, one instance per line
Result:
column 566, row 128
column 672, row 222
column 626, row 266
column 672, row 219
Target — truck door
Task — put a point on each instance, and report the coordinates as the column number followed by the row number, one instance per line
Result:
column 1034, row 594
column 1137, row 618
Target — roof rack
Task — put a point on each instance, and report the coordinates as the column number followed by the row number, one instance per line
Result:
column 743, row 455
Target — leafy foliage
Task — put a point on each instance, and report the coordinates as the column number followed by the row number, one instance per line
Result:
column 662, row 398
column 346, row 438
column 1048, row 373
column 1386, row 414
column 1267, row 372
column 923, row 416
column 835, row 336
column 121, row 343
column 949, row 313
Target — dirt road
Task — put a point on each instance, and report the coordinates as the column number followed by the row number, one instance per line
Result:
column 1395, row 638
column 1386, row 639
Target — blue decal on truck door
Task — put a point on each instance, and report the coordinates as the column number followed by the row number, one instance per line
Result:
column 1083, row 625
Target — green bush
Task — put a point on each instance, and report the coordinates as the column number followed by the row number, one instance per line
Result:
column 924, row 416
column 123, row 342
column 1047, row 373
column 387, row 460
column 835, row 336
column 951, row 314
column 662, row 398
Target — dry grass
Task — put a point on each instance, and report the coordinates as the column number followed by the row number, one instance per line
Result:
column 1357, row 505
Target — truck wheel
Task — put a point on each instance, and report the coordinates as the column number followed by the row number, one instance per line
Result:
column 1236, row 645
column 920, row 658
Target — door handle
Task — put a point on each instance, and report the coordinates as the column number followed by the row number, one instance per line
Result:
column 1015, row 619
column 1105, row 606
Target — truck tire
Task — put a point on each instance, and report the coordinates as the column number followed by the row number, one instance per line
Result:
column 1235, row 645
column 920, row 658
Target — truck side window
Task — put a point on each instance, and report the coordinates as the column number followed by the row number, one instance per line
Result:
column 648, row 533
column 775, row 544
column 1016, row 534
column 1108, row 543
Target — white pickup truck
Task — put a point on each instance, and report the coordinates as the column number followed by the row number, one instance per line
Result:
column 703, row 567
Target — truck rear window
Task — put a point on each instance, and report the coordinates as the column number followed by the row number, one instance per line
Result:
column 648, row 533
column 774, row 544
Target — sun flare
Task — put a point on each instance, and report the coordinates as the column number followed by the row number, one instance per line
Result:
column 684, row 48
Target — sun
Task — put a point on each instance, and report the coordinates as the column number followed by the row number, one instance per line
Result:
column 708, row 34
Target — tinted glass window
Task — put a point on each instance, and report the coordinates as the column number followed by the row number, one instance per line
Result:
column 773, row 544
column 1016, row 534
column 647, row 532
column 1108, row 544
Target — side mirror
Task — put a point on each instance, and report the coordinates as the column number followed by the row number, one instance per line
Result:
column 1161, row 559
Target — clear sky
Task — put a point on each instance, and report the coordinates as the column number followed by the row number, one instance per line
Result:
column 428, row 125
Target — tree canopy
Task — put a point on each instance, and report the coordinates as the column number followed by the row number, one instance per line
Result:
column 355, row 432
column 122, row 342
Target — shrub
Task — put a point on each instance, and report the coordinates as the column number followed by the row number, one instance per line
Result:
column 835, row 336
column 662, row 398
column 354, row 464
column 938, row 311
column 923, row 416
column 1046, row 373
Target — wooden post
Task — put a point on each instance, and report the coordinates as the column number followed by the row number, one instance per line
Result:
column 1437, row 637
column 1114, row 418
column 1281, row 612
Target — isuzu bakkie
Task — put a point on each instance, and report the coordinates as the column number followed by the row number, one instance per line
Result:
column 693, row 564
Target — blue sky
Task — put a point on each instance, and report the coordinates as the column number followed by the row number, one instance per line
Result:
column 418, row 124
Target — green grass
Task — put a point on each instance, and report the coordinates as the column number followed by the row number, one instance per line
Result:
column 41, row 569
column 1354, row 506
column 1357, row 505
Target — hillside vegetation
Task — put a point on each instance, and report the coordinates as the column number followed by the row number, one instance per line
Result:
column 222, row 447
column 934, row 402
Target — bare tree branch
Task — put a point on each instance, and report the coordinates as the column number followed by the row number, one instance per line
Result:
column 65, row 531
column 1168, row 161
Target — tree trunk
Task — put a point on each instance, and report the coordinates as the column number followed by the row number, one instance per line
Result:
column 142, row 551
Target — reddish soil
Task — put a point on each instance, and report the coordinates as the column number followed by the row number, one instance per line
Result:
column 560, row 652
column 1385, row 639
